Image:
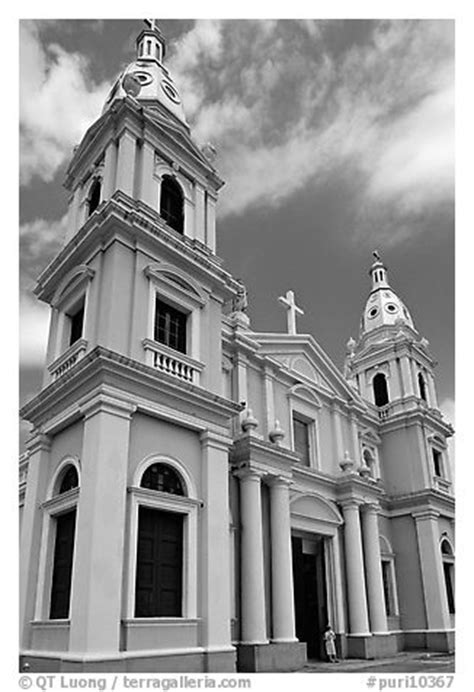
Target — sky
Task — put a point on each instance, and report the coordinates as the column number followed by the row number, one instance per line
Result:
column 334, row 137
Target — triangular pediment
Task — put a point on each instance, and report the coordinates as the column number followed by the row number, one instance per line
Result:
column 304, row 359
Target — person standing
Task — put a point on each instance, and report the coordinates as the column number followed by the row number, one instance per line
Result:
column 330, row 643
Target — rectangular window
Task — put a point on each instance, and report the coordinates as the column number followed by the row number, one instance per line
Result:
column 158, row 590
column 62, row 566
column 437, row 462
column 448, row 569
column 302, row 439
column 170, row 326
column 76, row 319
column 388, row 587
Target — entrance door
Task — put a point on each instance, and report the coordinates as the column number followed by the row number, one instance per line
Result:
column 309, row 576
column 159, row 564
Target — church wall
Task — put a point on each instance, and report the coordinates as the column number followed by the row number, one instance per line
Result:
column 401, row 467
column 255, row 395
column 66, row 443
column 282, row 413
column 116, row 295
column 446, row 527
column 407, row 568
column 151, row 436
column 326, row 459
column 211, row 351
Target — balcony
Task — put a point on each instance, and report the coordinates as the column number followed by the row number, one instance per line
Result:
column 442, row 484
column 68, row 359
column 384, row 412
column 172, row 362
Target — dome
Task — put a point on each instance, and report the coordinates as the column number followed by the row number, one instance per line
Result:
column 146, row 79
column 383, row 308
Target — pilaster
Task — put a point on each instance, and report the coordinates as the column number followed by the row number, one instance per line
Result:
column 373, row 565
column 38, row 448
column 430, row 563
column 216, row 579
column 126, row 163
column 96, row 589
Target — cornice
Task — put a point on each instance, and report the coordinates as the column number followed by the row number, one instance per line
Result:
column 135, row 221
column 420, row 501
column 104, row 367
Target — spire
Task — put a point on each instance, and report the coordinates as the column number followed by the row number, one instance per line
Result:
column 383, row 308
column 151, row 44
column 378, row 271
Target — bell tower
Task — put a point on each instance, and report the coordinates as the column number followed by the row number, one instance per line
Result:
column 392, row 368
column 131, row 428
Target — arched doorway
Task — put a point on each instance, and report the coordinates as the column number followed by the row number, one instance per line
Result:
column 316, row 571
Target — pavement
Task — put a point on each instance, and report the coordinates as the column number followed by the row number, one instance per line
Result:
column 404, row 662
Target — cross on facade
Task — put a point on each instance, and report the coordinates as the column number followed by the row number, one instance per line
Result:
column 292, row 310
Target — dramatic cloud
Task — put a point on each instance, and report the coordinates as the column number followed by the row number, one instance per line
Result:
column 40, row 240
column 58, row 102
column 285, row 110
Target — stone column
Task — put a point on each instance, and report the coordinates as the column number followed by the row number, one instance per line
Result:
column 216, row 578
column 338, row 435
column 434, row 589
column 358, row 619
column 373, row 571
column 283, row 610
column 406, row 376
column 110, row 171
column 126, row 163
column 253, row 627
column 97, row 576
column 30, row 540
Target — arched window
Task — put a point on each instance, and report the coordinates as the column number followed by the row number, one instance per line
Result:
column 369, row 461
column 448, row 570
column 69, row 480
column 172, row 203
column 94, row 197
column 163, row 478
column 380, row 389
column 422, row 386
column 159, row 576
column 63, row 549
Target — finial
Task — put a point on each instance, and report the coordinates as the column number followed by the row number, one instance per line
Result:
column 346, row 464
column 249, row 422
column 292, row 310
column 376, row 256
column 277, row 434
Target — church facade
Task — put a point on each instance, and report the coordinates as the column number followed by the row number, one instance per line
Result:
column 197, row 495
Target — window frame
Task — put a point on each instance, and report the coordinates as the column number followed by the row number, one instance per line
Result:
column 55, row 505
column 188, row 506
column 305, row 405
column 388, row 556
column 186, row 297
column 448, row 559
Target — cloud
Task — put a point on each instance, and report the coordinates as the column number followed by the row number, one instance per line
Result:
column 58, row 101
column 286, row 111
column 34, row 325
column 40, row 240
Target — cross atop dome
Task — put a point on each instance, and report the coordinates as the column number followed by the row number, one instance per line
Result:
column 292, row 310
column 151, row 43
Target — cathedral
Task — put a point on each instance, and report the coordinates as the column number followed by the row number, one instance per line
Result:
column 197, row 495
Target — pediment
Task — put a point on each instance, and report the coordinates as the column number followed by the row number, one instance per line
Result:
column 315, row 507
column 178, row 135
column 307, row 363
